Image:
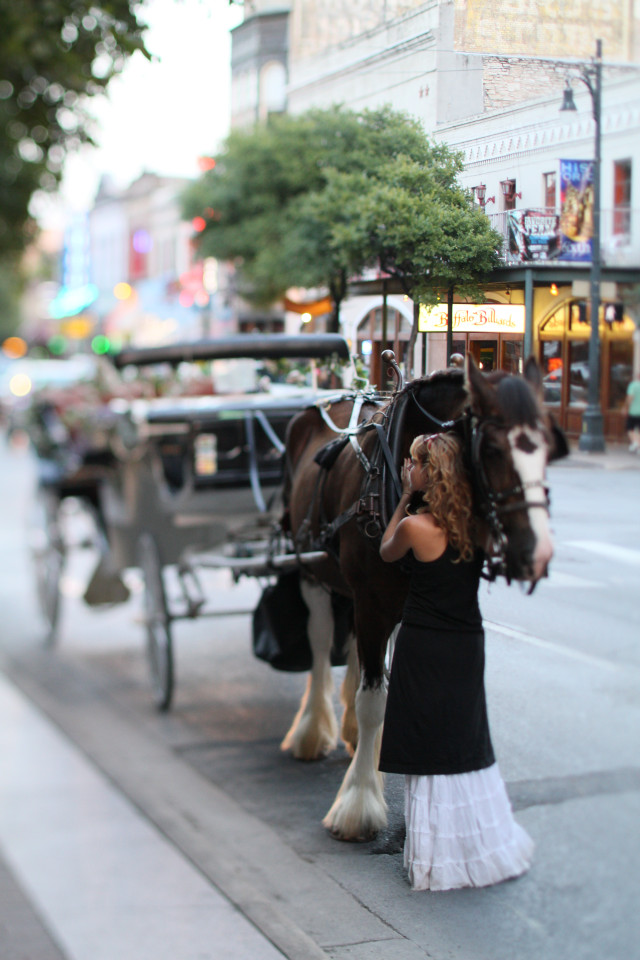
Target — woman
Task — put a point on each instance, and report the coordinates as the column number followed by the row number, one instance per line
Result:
column 460, row 828
column 632, row 407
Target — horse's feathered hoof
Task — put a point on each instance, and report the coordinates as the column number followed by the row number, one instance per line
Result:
column 336, row 835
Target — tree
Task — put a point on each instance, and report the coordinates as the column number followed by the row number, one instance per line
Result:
column 54, row 54
column 312, row 200
column 423, row 230
column 266, row 205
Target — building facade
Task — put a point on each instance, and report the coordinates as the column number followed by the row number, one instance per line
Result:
column 487, row 78
column 151, row 287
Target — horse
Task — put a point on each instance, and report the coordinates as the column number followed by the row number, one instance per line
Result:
column 341, row 487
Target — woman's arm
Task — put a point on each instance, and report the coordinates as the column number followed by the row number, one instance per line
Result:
column 392, row 539
column 395, row 542
column 419, row 533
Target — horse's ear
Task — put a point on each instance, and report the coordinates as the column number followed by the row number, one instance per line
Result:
column 481, row 393
column 533, row 375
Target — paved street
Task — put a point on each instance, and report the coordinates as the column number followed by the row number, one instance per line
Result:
column 247, row 869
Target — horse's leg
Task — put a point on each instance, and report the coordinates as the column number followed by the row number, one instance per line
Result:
column 359, row 810
column 348, row 691
column 314, row 731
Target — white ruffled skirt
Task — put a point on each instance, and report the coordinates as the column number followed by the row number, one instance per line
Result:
column 461, row 831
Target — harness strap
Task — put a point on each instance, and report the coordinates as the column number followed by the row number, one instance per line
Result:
column 441, row 424
column 353, row 426
column 386, row 449
column 322, row 410
column 353, row 429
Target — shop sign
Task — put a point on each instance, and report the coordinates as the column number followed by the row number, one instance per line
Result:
column 576, row 210
column 473, row 318
column 533, row 235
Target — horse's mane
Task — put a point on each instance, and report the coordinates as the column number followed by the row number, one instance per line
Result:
column 450, row 376
column 442, row 384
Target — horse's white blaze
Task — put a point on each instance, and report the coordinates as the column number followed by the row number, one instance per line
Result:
column 359, row 810
column 314, row 731
column 529, row 460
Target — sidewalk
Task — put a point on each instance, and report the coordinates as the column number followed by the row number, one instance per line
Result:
column 615, row 457
column 84, row 876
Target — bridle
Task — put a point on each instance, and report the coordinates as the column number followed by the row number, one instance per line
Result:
column 495, row 504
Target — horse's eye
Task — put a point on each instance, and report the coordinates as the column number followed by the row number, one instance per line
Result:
column 490, row 449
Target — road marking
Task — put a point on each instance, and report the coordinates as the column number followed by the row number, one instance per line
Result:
column 555, row 647
column 557, row 578
column 622, row 554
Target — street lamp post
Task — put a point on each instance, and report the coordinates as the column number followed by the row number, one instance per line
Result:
column 592, row 436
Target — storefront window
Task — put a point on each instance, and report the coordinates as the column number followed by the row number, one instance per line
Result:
column 578, row 372
column 564, row 337
column 620, row 366
column 512, row 356
column 622, row 197
column 551, row 363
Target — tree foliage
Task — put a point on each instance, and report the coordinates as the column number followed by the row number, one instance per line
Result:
column 267, row 184
column 312, row 200
column 54, row 54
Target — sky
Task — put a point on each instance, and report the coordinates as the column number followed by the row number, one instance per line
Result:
column 159, row 116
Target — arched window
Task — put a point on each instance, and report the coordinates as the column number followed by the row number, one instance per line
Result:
column 564, row 356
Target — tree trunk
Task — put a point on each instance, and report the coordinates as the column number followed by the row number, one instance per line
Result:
column 449, row 323
column 409, row 366
column 338, row 290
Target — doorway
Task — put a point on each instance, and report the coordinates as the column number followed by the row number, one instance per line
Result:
column 485, row 353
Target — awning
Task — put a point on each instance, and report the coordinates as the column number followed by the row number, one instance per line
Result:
column 315, row 307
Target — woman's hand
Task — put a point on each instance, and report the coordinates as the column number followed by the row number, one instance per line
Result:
column 405, row 476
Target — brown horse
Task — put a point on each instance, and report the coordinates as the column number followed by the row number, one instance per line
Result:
column 339, row 497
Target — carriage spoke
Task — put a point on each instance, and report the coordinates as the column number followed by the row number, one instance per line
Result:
column 157, row 622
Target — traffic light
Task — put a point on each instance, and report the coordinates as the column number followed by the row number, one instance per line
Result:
column 579, row 312
column 613, row 313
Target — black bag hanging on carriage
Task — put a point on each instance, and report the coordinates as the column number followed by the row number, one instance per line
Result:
column 280, row 626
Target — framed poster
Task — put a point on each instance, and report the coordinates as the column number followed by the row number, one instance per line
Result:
column 576, row 210
column 533, row 235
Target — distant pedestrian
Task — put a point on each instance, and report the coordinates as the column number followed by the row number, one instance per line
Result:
column 460, row 828
column 632, row 406
column 456, row 360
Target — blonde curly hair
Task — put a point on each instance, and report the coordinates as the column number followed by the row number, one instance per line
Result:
column 447, row 492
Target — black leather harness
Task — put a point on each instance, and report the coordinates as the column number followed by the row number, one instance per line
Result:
column 381, row 488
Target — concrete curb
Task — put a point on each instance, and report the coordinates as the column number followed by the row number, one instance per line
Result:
column 244, row 858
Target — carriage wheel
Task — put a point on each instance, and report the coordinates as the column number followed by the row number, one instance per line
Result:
column 48, row 556
column 157, row 622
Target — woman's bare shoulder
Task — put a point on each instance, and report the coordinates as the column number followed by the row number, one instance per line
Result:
column 428, row 540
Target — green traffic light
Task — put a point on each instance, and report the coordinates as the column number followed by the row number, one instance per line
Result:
column 100, row 344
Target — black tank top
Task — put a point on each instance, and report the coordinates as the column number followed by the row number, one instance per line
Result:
column 443, row 595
